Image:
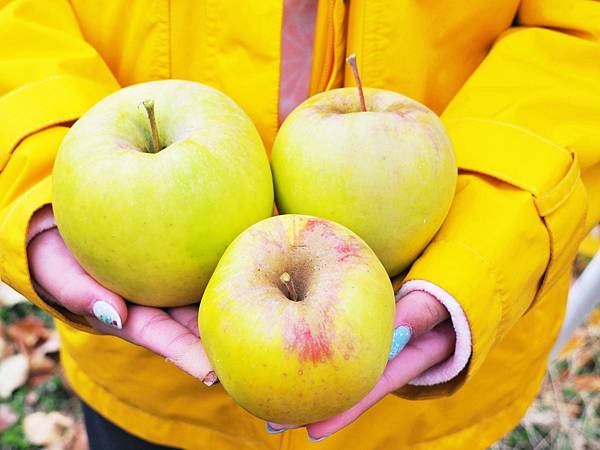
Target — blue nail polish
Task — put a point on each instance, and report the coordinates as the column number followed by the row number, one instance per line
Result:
column 272, row 430
column 401, row 338
column 312, row 439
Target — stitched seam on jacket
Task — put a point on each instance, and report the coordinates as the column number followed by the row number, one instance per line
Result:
column 508, row 125
column 57, row 121
column 27, row 86
column 550, row 271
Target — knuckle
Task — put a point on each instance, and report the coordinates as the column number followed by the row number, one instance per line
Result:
column 146, row 329
column 432, row 313
column 181, row 340
column 388, row 381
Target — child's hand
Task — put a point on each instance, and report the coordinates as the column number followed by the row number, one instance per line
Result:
column 171, row 333
column 431, row 340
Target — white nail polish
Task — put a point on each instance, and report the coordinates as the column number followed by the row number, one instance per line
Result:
column 108, row 315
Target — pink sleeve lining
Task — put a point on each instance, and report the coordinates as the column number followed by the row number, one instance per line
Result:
column 450, row 368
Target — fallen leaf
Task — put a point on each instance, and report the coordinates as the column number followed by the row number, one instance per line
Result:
column 581, row 358
column 9, row 297
column 594, row 317
column 46, row 428
column 40, row 363
column 13, row 374
column 6, row 349
column 2, row 346
column 28, row 332
column 38, row 379
column 78, row 440
column 43, row 367
column 574, row 343
column 52, row 344
column 588, row 382
column 7, row 417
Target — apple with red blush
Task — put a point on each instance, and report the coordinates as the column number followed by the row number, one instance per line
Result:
column 297, row 319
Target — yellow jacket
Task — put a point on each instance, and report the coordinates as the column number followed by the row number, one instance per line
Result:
column 518, row 84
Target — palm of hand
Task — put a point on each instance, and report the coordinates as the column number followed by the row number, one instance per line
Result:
column 171, row 333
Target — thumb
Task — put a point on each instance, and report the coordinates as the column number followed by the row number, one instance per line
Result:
column 61, row 279
column 416, row 314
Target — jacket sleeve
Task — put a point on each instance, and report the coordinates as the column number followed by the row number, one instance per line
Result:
column 49, row 76
column 525, row 129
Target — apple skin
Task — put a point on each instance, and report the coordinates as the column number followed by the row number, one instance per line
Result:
column 388, row 174
column 152, row 227
column 297, row 362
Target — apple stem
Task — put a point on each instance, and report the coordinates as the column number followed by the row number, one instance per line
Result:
column 351, row 60
column 286, row 279
column 155, row 142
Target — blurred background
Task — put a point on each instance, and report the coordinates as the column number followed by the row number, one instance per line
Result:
column 38, row 409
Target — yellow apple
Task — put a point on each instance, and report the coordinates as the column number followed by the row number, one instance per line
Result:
column 297, row 319
column 387, row 173
column 148, row 210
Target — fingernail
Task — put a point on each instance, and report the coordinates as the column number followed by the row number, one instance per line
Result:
column 399, row 341
column 210, row 378
column 312, row 439
column 272, row 430
column 107, row 314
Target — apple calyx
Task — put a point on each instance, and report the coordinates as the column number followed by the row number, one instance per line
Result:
column 155, row 146
column 286, row 279
column 351, row 60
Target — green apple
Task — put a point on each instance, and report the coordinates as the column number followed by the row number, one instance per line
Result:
column 387, row 173
column 297, row 319
column 148, row 200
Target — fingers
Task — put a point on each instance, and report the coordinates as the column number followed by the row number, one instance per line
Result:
column 416, row 314
column 156, row 330
column 173, row 334
column 64, row 281
column 421, row 312
column 419, row 355
column 186, row 316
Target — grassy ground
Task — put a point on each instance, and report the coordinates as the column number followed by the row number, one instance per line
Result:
column 41, row 412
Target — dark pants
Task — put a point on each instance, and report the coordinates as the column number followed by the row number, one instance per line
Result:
column 104, row 435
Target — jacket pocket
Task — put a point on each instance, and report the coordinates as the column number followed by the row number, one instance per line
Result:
column 549, row 173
